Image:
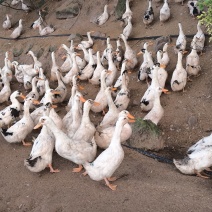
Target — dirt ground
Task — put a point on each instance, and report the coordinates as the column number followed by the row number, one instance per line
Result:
column 146, row 184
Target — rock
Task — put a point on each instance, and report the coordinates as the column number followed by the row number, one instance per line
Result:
column 17, row 52
column 52, row 48
column 28, row 48
column 75, row 37
column 192, row 121
column 120, row 9
column 146, row 137
column 68, row 10
column 159, row 42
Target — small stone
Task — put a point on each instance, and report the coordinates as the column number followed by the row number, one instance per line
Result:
column 68, row 10
column 75, row 37
column 192, row 121
column 135, row 103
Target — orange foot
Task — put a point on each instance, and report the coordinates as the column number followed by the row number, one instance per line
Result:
column 200, row 175
column 53, row 170
column 78, row 169
column 26, row 143
column 111, row 186
column 84, row 173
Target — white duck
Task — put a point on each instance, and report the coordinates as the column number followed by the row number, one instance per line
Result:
column 123, row 96
column 157, row 111
column 37, row 63
column 165, row 57
column 89, row 43
column 111, row 67
column 55, row 67
column 25, row 7
column 17, row 31
column 34, row 92
column 46, row 30
column 61, row 88
column 6, row 90
column 67, row 64
column 37, row 22
column 147, row 100
column 11, row 112
column 7, row 23
column 41, row 82
column 193, row 8
column 7, row 70
column 19, row 131
column 149, row 14
column 101, row 97
column 192, row 61
column 119, row 54
column 128, row 28
column 103, row 17
column 71, row 121
column 128, row 13
column 76, row 151
column 179, row 76
column 19, row 75
column 200, row 39
column 109, row 160
column 118, row 82
column 73, row 92
column 111, row 116
column 129, row 55
column 42, row 150
column 85, row 52
column 95, row 80
column 106, row 50
column 198, row 158
column 28, row 78
column 162, row 75
column 87, row 72
column 104, row 133
column 181, row 40
column 165, row 12
column 73, row 71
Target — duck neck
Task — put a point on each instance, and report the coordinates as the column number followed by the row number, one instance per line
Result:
column 180, row 29
column 127, row 6
column 117, row 133
column 14, row 100
column 71, row 49
column 91, row 60
column 26, row 109
column 199, row 28
column 179, row 60
column 103, row 82
column 98, row 59
column 124, row 84
column 53, row 59
column 110, row 100
column 34, row 87
column 150, row 4
column 89, row 37
column 105, row 9
column 85, row 116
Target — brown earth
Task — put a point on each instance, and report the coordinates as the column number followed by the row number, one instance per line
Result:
column 146, row 185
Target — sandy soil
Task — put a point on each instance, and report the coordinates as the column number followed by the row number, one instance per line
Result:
column 145, row 184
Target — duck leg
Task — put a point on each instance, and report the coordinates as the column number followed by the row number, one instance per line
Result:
column 26, row 143
column 200, row 175
column 53, row 170
column 208, row 169
column 112, row 179
column 78, row 169
column 111, row 186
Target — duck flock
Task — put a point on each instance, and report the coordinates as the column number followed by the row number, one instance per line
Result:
column 74, row 136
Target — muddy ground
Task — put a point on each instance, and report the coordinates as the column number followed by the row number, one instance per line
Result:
column 146, row 184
